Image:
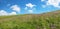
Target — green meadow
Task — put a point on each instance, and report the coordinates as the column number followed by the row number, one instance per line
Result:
column 49, row 20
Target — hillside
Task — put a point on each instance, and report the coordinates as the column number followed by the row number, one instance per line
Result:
column 50, row 20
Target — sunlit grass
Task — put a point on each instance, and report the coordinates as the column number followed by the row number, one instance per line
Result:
column 37, row 21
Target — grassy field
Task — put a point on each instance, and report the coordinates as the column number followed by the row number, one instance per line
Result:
column 49, row 20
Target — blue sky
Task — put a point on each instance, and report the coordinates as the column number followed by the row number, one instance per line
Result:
column 13, row 7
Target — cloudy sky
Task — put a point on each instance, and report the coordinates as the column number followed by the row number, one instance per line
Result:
column 13, row 7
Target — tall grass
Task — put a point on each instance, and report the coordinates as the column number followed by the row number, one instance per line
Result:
column 30, row 22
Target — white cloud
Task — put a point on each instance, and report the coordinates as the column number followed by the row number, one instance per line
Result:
column 42, row 0
column 43, row 6
column 4, row 13
column 30, row 5
column 30, row 11
column 12, row 13
column 54, row 3
column 25, row 8
column 15, row 8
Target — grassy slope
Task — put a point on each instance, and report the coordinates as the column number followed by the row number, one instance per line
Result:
column 49, row 20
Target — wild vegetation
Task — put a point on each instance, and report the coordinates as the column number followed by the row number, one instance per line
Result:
column 49, row 20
